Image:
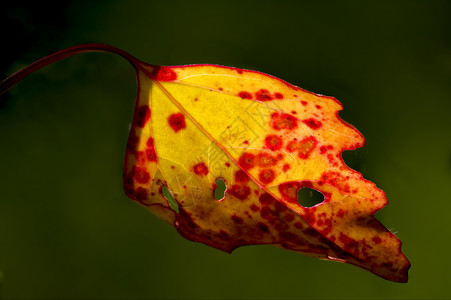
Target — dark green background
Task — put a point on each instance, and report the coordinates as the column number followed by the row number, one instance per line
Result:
column 67, row 231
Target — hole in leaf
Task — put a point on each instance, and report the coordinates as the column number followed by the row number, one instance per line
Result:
column 221, row 187
column 308, row 197
column 355, row 159
column 168, row 195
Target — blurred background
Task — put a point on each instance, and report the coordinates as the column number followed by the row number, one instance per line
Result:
column 67, row 230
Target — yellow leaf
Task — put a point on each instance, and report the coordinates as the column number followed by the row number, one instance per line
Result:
column 266, row 140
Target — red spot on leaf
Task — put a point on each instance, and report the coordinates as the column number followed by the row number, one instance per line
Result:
column 142, row 115
column 151, row 154
column 341, row 213
column 200, row 169
column 128, row 183
column 349, row 243
column 311, row 232
column 289, row 191
column 263, row 227
column 318, row 106
column 150, row 151
column 312, row 123
column 241, row 176
column 254, row 207
column 281, row 227
column 247, row 161
column 223, row 235
column 266, row 199
column 289, row 236
column 324, row 149
column 289, row 218
column 265, row 213
column 336, row 180
column 132, row 141
column 286, row 167
column 140, row 158
column 185, row 221
column 141, row 175
column 266, row 176
column 292, row 146
column 163, row 73
column 140, row 195
column 265, row 160
column 239, row 191
column 273, row 142
column 237, row 219
column 177, row 121
column 377, row 240
column 283, row 121
column 306, row 184
column 278, row 95
column 245, row 95
column 304, row 147
column 298, row 225
column 307, row 145
column 304, row 103
column 263, row 95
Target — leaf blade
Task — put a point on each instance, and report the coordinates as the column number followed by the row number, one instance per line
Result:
column 282, row 132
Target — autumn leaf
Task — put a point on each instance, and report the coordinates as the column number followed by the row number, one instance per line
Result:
column 198, row 127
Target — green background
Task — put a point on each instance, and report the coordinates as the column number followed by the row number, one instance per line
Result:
column 67, row 231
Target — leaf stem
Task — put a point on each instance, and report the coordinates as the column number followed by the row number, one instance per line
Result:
column 9, row 82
